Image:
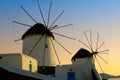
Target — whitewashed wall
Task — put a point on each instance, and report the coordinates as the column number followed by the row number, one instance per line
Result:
column 20, row 61
column 12, row 59
column 49, row 57
column 82, row 72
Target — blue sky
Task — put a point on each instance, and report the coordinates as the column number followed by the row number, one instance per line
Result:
column 101, row 16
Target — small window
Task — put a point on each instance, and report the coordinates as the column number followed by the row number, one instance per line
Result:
column 1, row 57
column 46, row 46
column 30, row 67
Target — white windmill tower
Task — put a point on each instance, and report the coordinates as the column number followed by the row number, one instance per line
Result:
column 38, row 42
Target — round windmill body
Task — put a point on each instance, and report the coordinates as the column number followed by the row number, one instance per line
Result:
column 37, row 42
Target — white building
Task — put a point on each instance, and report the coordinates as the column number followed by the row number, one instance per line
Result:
column 82, row 68
column 20, row 61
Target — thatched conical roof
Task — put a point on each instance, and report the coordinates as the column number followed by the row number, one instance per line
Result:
column 82, row 53
column 37, row 29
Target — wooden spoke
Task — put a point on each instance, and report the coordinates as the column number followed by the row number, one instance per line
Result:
column 55, row 52
column 64, row 36
column 63, row 47
column 28, row 14
column 41, row 12
column 22, row 23
column 56, row 19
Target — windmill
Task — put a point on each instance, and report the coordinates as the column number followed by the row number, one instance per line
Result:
column 38, row 41
column 94, row 47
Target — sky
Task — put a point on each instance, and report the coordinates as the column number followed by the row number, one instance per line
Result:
column 101, row 16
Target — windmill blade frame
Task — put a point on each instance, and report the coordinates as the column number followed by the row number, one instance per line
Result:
column 46, row 32
column 94, row 47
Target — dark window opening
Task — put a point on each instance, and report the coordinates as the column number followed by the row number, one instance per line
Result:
column 1, row 57
column 46, row 46
column 30, row 67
